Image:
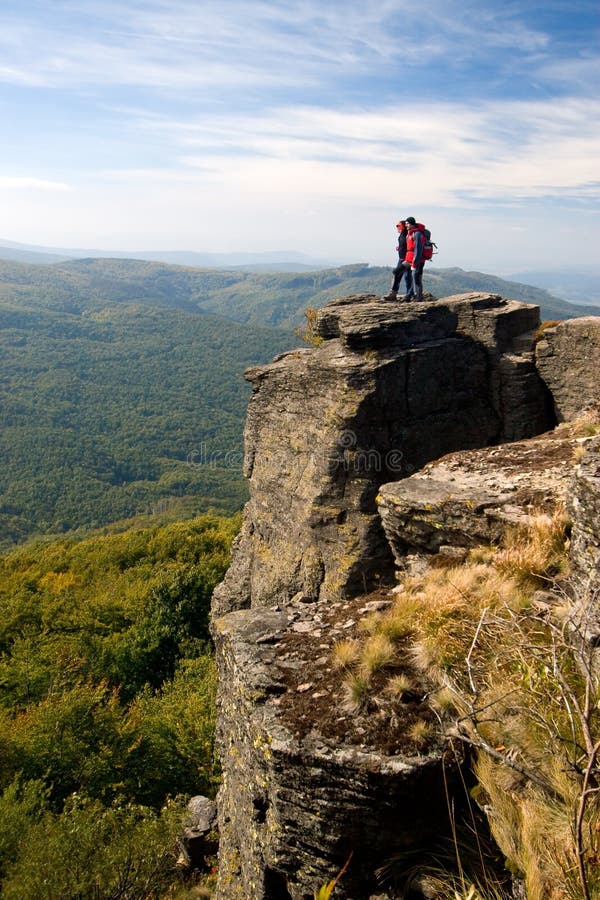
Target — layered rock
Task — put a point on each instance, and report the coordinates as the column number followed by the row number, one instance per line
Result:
column 469, row 498
column 392, row 387
column 584, row 508
column 567, row 357
column 306, row 781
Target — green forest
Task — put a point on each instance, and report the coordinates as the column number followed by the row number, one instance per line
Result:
column 121, row 381
column 123, row 402
column 107, row 707
column 118, row 412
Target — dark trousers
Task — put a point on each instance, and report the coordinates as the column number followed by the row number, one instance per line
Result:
column 417, row 277
column 401, row 271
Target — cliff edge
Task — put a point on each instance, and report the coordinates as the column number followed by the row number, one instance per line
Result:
column 341, row 441
column 390, row 388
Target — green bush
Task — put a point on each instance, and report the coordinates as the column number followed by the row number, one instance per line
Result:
column 90, row 851
column 107, row 706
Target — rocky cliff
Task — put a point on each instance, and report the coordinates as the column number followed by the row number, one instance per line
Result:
column 391, row 387
column 340, row 444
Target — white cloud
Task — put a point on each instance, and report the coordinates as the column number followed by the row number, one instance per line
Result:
column 442, row 154
column 244, row 162
column 30, row 184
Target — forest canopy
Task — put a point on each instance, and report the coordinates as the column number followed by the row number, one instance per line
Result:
column 107, row 699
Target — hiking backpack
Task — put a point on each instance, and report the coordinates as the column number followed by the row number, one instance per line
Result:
column 428, row 245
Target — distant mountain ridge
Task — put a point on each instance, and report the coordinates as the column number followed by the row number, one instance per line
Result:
column 274, row 260
column 272, row 299
column 577, row 287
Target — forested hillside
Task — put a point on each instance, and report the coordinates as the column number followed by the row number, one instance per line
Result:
column 107, row 706
column 272, row 299
column 121, row 387
column 118, row 410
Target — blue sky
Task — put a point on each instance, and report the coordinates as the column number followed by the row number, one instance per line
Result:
column 305, row 126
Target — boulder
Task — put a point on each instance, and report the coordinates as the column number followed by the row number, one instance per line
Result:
column 468, row 498
column 198, row 825
column 567, row 357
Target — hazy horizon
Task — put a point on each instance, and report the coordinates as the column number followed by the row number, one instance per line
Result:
column 305, row 127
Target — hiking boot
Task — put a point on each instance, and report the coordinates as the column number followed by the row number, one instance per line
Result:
column 407, row 298
column 392, row 295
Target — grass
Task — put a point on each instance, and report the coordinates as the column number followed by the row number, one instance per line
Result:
column 378, row 653
column 502, row 666
column 345, row 653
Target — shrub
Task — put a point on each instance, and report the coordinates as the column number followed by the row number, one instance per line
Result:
column 92, row 851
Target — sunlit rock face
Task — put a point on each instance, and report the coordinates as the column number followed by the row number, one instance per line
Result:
column 391, row 387
column 567, row 358
column 584, row 509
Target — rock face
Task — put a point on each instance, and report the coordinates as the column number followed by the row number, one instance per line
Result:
column 567, row 358
column 584, row 508
column 392, row 387
column 304, row 784
column 468, row 498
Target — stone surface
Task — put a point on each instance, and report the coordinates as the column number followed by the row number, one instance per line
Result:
column 567, row 358
column 305, row 781
column 584, row 508
column 392, row 387
column 468, row 498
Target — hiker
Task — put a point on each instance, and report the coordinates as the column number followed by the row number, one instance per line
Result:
column 401, row 269
column 415, row 257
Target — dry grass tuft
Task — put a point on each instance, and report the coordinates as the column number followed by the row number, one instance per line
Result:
column 356, row 691
column 398, row 685
column 421, row 732
column 549, row 323
column 534, row 552
column 345, row 653
column 378, row 653
column 444, row 700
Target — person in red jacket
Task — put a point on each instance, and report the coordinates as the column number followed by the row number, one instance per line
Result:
column 415, row 243
column 401, row 270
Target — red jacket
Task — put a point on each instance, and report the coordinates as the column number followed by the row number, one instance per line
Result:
column 414, row 244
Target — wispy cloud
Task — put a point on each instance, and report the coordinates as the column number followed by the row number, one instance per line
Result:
column 506, row 150
column 25, row 183
column 248, row 43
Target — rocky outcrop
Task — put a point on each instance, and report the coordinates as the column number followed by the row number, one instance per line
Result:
column 307, row 780
column 469, row 498
column 584, row 508
column 392, row 387
column 567, row 359
column 307, row 777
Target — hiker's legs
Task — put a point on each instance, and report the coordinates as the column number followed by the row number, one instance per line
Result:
column 418, row 278
column 409, row 282
column 398, row 273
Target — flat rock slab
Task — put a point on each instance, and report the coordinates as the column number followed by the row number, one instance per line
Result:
column 468, row 498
